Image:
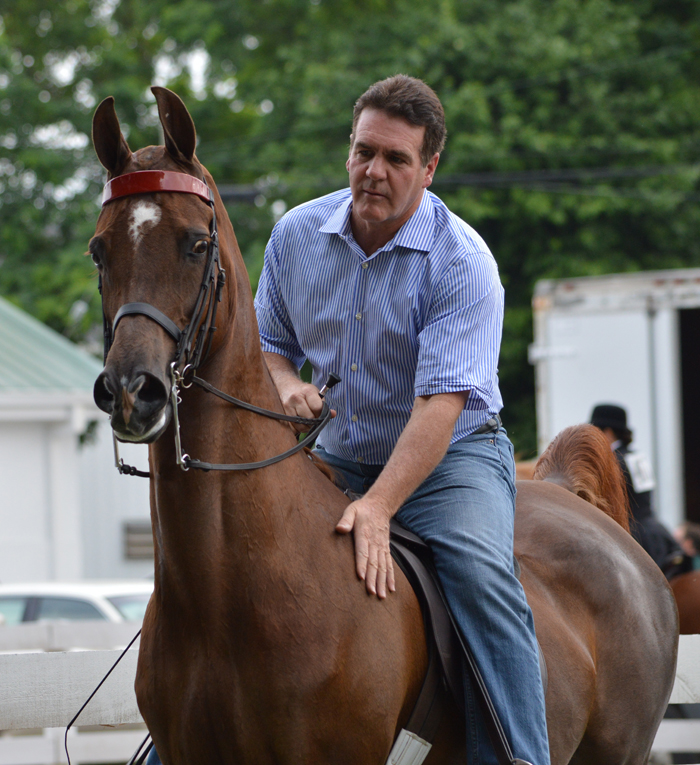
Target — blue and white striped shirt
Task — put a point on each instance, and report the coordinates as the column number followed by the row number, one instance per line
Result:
column 421, row 315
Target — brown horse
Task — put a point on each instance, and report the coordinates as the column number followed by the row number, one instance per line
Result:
column 259, row 644
column 686, row 590
column 685, row 587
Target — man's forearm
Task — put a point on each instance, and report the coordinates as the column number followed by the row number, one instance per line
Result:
column 422, row 444
column 281, row 369
column 420, row 448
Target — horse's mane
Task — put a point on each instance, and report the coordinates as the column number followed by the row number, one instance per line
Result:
column 321, row 464
column 581, row 460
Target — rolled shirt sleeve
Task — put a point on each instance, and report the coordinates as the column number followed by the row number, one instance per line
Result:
column 459, row 343
column 274, row 323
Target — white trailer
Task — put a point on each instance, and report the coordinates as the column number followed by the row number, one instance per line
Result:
column 632, row 340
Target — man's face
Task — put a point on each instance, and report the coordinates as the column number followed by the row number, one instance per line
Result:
column 387, row 177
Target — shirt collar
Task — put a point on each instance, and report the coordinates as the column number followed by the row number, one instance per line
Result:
column 339, row 222
column 417, row 233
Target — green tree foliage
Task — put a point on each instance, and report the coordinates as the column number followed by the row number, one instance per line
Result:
column 573, row 129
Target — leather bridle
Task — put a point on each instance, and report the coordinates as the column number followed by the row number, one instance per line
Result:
column 193, row 343
column 189, row 351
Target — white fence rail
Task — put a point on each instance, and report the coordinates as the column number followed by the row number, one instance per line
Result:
column 45, row 690
column 52, row 669
column 66, row 636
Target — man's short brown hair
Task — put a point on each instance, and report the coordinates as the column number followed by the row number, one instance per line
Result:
column 414, row 101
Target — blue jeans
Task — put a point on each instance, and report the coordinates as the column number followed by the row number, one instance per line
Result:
column 465, row 510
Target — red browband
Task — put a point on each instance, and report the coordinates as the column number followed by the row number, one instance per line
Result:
column 149, row 181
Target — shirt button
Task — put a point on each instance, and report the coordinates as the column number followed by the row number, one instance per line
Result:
column 354, row 418
column 358, row 316
column 364, row 265
column 353, row 367
column 360, row 459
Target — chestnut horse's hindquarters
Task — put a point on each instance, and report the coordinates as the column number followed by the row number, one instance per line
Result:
column 622, row 598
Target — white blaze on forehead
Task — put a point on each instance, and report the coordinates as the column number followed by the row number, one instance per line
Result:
column 142, row 215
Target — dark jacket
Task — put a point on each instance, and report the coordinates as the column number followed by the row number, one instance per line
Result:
column 652, row 535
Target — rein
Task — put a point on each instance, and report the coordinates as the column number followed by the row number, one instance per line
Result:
column 193, row 343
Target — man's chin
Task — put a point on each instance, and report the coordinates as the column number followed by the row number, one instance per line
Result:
column 372, row 210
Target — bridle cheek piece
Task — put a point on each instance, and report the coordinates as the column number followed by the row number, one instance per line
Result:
column 193, row 343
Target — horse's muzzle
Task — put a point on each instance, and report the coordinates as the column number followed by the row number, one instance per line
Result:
column 138, row 405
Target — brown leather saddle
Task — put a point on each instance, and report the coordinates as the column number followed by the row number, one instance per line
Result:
column 448, row 655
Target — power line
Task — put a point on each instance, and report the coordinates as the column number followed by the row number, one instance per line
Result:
column 581, row 174
column 557, row 181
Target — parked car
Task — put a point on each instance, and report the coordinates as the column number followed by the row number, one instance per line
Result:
column 113, row 601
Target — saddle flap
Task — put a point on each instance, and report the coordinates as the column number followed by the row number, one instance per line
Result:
column 415, row 560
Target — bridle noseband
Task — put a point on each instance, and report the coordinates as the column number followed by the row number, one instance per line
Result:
column 193, row 343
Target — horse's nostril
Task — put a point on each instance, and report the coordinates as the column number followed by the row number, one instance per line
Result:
column 151, row 395
column 103, row 395
column 152, row 391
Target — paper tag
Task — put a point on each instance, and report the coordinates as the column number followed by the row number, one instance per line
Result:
column 641, row 472
column 408, row 749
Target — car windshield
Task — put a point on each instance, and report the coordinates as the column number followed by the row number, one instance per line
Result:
column 131, row 607
column 12, row 610
column 66, row 608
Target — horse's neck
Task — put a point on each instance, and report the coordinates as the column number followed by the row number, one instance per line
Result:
column 210, row 526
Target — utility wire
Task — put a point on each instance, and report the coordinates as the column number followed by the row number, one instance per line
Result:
column 545, row 180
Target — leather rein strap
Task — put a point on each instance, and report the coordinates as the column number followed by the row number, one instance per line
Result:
column 194, row 341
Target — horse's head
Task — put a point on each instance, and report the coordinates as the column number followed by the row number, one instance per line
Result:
column 153, row 246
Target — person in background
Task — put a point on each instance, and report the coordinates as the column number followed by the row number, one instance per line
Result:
column 651, row 534
column 688, row 537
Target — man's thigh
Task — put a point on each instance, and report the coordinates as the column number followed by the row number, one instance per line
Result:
column 467, row 505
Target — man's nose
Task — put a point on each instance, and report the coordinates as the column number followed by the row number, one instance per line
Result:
column 376, row 169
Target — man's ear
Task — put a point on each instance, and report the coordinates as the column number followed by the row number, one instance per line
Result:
column 430, row 170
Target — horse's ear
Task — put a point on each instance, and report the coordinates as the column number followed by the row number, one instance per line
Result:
column 111, row 148
column 178, row 127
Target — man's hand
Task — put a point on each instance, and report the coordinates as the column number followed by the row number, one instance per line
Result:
column 370, row 523
column 299, row 399
column 420, row 447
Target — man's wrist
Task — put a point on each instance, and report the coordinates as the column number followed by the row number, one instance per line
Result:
column 381, row 504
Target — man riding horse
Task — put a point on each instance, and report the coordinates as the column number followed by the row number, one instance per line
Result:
column 381, row 283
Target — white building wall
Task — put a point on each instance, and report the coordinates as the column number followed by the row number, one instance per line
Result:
column 108, row 501
column 64, row 502
column 63, row 506
column 25, row 549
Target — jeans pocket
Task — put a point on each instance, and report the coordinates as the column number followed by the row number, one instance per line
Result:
column 503, row 444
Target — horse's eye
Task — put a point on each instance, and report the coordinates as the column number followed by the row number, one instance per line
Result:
column 200, row 247
column 96, row 259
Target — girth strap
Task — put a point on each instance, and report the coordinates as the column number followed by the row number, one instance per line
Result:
column 145, row 309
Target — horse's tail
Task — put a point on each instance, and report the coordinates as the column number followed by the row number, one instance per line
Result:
column 580, row 459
